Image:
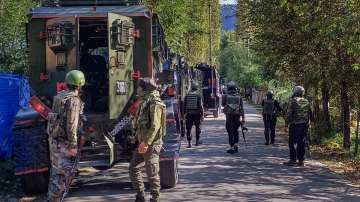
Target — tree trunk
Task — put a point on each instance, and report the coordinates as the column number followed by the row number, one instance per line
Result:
column 316, row 106
column 325, row 106
column 357, row 141
column 357, row 131
column 345, row 115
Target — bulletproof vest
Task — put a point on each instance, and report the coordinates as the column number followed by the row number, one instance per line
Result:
column 56, row 127
column 269, row 107
column 191, row 102
column 302, row 107
column 145, row 116
column 232, row 106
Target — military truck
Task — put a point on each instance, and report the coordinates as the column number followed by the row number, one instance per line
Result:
column 114, row 42
column 211, row 89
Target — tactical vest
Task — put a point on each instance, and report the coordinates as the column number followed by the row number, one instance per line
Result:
column 302, row 107
column 269, row 107
column 144, row 117
column 56, row 127
column 232, row 106
column 192, row 102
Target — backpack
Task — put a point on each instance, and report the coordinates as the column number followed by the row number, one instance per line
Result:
column 269, row 107
column 232, row 106
column 302, row 106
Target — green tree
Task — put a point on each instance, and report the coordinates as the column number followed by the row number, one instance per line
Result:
column 313, row 43
column 187, row 27
column 13, row 57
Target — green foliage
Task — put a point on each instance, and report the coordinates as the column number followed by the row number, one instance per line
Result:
column 282, row 90
column 237, row 63
column 311, row 43
column 187, row 27
column 13, row 57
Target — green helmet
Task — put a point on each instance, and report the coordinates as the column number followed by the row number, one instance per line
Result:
column 75, row 78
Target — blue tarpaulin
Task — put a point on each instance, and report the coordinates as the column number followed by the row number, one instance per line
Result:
column 14, row 94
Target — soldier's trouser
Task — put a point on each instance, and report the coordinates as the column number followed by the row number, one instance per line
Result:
column 270, row 127
column 297, row 136
column 151, row 162
column 60, row 173
column 232, row 127
column 193, row 119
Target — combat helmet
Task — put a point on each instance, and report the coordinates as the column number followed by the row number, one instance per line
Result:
column 147, row 84
column 75, row 78
column 269, row 93
column 194, row 86
column 299, row 91
column 231, row 86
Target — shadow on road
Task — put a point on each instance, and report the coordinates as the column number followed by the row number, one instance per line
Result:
column 208, row 173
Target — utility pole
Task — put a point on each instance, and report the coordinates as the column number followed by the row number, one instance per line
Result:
column 210, row 36
column 210, row 54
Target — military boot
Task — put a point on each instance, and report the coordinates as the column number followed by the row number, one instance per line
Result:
column 154, row 199
column 290, row 163
column 140, row 197
column 189, row 144
column 231, row 150
column 236, row 149
column 198, row 142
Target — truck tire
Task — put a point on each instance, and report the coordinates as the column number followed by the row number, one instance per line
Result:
column 35, row 183
column 169, row 174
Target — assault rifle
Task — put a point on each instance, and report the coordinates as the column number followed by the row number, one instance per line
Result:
column 243, row 130
column 72, row 175
column 126, row 119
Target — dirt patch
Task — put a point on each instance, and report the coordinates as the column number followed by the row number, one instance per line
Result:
column 339, row 161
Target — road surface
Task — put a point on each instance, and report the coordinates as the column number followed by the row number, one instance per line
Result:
column 208, row 173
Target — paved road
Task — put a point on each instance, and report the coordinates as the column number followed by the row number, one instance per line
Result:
column 207, row 173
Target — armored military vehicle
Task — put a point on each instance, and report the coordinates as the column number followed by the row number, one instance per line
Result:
column 211, row 89
column 114, row 42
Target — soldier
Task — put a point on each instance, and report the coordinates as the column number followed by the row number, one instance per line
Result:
column 63, row 128
column 150, row 125
column 271, row 108
column 298, row 117
column 194, row 112
column 233, row 110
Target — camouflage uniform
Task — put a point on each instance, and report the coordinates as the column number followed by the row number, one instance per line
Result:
column 68, row 106
column 150, row 124
column 298, row 117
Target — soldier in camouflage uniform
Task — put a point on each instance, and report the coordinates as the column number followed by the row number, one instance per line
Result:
column 234, row 111
column 150, row 125
column 63, row 126
column 194, row 112
column 271, row 108
column 298, row 117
